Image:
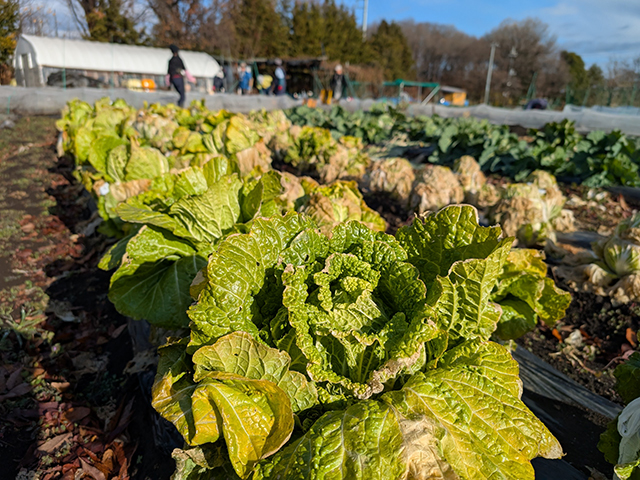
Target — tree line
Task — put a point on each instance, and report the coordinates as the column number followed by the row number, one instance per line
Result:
column 527, row 61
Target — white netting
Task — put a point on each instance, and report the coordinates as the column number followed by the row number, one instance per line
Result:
column 51, row 100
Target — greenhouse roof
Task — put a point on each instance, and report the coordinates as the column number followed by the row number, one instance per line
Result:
column 111, row 57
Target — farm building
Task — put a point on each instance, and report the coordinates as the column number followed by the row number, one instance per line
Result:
column 454, row 96
column 103, row 64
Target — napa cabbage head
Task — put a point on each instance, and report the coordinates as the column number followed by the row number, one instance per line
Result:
column 351, row 342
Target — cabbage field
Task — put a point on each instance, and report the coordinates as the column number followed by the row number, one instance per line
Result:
column 325, row 294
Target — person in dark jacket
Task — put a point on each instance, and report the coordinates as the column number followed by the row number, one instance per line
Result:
column 279, row 85
column 337, row 83
column 218, row 82
column 176, row 74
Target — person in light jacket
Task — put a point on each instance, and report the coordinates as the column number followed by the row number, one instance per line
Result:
column 279, row 85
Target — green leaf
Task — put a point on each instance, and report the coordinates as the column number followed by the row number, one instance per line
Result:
column 628, row 378
column 190, row 182
column 254, row 416
column 205, row 218
column 260, row 199
column 201, row 219
column 462, row 299
column 436, row 241
column 609, row 443
column 152, row 244
column 156, row 291
column 236, row 272
column 171, row 396
column 145, row 162
column 113, row 257
column 483, row 428
column 628, row 471
column 336, row 203
column 524, row 277
column 517, row 319
column 116, row 162
column 240, row 135
column 240, row 354
column 85, row 136
column 100, row 149
column 361, row 442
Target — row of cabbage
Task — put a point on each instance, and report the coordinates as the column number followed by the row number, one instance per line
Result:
column 309, row 343
column 597, row 159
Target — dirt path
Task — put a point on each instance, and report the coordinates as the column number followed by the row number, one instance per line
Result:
column 68, row 407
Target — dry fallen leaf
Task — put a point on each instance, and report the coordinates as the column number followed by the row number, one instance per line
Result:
column 60, row 386
column 28, row 228
column 18, row 391
column 54, row 443
column 632, row 337
column 92, row 471
column 14, row 379
column 74, row 415
column 557, row 335
column 142, row 361
column 116, row 333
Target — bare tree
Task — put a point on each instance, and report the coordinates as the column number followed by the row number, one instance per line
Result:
column 525, row 47
column 37, row 19
column 182, row 22
column 446, row 55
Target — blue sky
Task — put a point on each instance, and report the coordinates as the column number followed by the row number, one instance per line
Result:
column 598, row 30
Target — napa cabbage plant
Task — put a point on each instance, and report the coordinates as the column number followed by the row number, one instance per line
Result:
column 355, row 355
column 620, row 443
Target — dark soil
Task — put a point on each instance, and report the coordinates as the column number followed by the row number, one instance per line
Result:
column 394, row 213
column 606, row 332
column 67, row 407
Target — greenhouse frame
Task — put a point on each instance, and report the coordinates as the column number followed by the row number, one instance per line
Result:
column 36, row 58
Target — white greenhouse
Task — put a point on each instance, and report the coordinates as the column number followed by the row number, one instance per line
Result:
column 107, row 64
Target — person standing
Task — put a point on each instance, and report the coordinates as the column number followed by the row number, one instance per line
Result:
column 263, row 83
column 337, row 83
column 246, row 79
column 218, row 82
column 279, row 85
column 176, row 73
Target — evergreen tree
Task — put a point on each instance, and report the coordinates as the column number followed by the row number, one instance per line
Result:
column 106, row 21
column 307, row 39
column 259, row 29
column 579, row 78
column 326, row 29
column 595, row 76
column 9, row 18
column 391, row 51
column 9, row 22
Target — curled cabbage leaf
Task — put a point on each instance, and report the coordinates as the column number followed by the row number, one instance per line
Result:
column 435, row 187
column 391, row 175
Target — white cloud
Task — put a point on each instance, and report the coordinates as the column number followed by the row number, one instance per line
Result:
column 595, row 29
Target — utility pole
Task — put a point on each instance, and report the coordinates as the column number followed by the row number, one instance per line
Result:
column 489, row 72
column 364, row 19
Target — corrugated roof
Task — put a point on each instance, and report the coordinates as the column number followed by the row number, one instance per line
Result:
column 447, row 89
column 111, row 57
